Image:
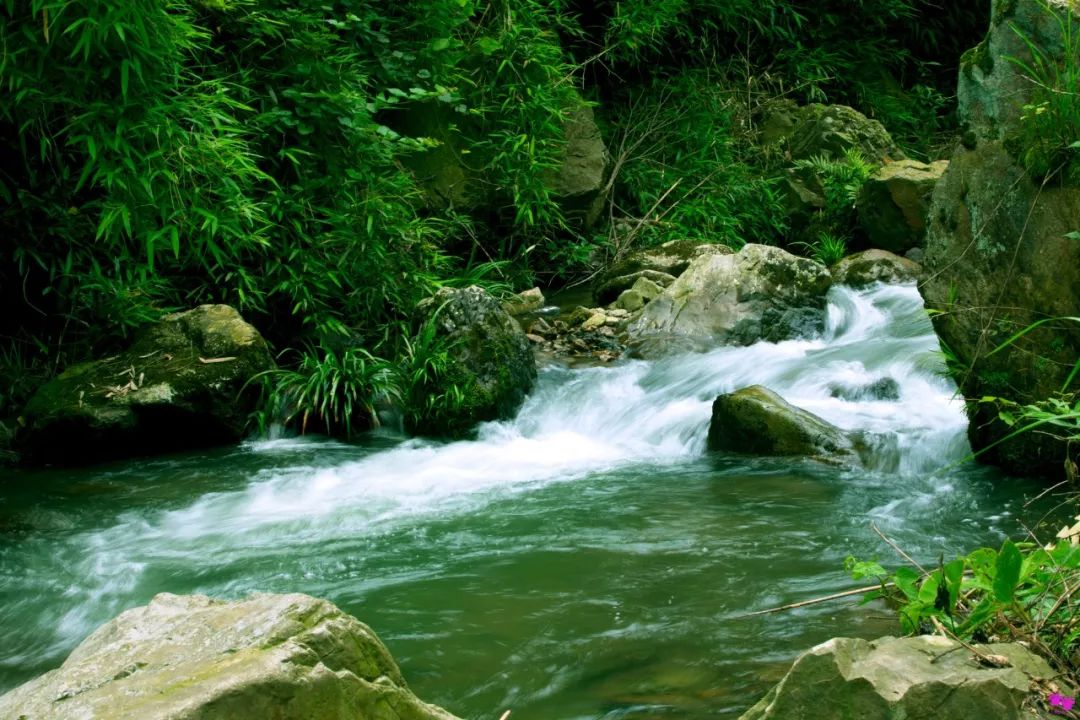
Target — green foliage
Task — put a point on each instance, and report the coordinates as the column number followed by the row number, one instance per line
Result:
column 1049, row 140
column 839, row 180
column 429, row 390
column 332, row 391
column 682, row 171
column 1021, row 591
column 828, row 249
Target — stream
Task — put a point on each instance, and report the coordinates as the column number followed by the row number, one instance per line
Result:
column 586, row 560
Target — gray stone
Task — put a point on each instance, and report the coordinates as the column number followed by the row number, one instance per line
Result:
column 528, row 301
column 661, row 264
column 178, row 386
column 915, row 678
column 757, row 421
column 893, row 204
column 287, row 657
column 491, row 360
column 872, row 266
column 578, row 182
column 759, row 293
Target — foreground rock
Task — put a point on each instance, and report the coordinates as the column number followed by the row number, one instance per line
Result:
column 893, row 204
column 997, row 255
column 918, row 678
column 178, row 386
column 871, row 266
column 287, row 657
column 759, row 293
column 757, row 421
column 660, row 265
column 490, row 360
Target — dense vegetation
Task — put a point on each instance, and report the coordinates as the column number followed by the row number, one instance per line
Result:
column 158, row 154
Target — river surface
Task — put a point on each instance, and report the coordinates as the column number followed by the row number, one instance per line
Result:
column 586, row 560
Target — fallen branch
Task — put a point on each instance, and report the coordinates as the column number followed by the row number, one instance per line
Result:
column 815, row 601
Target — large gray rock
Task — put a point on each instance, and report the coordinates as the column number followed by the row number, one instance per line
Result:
column 997, row 255
column 829, row 131
column 178, row 386
column 656, row 264
column 491, row 360
column 759, row 293
column 872, row 266
column 286, row 657
column 915, row 678
column 757, row 421
column 578, row 181
column 893, row 204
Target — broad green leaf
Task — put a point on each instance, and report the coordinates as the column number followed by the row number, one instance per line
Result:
column 1007, row 572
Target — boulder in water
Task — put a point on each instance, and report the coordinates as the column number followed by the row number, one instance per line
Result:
column 178, row 386
column 871, row 266
column 759, row 293
column 915, row 677
column 755, row 420
column 885, row 388
column 491, row 360
column 288, row 657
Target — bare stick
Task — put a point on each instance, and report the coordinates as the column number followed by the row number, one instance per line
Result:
column 815, row 601
column 896, row 547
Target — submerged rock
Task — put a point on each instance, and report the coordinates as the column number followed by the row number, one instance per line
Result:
column 893, row 204
column 871, row 266
column 757, row 421
column 490, row 360
column 287, row 657
column 759, row 293
column 885, row 388
column 999, row 252
column 919, row 678
column 177, row 387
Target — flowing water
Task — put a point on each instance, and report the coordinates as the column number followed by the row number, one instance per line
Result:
column 587, row 559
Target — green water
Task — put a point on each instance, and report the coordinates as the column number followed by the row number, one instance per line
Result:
column 587, row 560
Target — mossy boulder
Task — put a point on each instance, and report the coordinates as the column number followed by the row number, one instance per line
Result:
column 660, row 264
column 490, row 359
column 893, row 204
column 829, row 131
column 993, row 88
column 999, row 256
column 871, row 266
column 759, row 293
column 178, row 386
column 287, row 657
column 757, row 421
column 918, row 678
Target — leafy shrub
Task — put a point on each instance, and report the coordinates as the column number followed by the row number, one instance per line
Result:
column 1049, row 140
column 1022, row 591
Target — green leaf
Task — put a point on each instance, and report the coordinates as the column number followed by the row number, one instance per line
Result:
column 1007, row 572
column 1074, row 235
column 906, row 579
